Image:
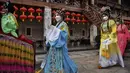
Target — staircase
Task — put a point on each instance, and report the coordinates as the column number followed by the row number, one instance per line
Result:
column 93, row 15
column 77, row 3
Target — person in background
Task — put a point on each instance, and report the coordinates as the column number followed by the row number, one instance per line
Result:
column 122, row 35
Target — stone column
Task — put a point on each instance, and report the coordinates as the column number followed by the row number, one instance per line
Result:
column 47, row 22
column 93, row 34
column 92, row 2
column 119, row 2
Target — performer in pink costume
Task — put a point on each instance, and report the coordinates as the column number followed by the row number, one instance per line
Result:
column 122, row 35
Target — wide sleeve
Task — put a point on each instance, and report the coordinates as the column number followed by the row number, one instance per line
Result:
column 9, row 24
column 62, row 39
column 12, row 22
column 4, row 23
column 13, row 25
column 113, row 34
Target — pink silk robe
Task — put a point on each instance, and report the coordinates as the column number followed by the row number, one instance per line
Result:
column 122, row 36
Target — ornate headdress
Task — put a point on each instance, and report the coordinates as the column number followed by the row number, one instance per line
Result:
column 106, row 10
column 61, row 11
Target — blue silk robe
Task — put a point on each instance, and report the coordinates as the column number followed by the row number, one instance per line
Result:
column 58, row 60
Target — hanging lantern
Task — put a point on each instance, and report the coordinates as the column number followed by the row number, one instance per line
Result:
column 78, row 20
column 67, row 19
column 67, row 14
column 23, row 16
column 73, row 14
column 38, row 11
column 73, row 19
column 83, row 20
column 39, row 17
column 31, row 16
column 16, row 9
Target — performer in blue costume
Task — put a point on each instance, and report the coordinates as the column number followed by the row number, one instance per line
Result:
column 58, row 60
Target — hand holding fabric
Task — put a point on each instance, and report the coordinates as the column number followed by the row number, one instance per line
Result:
column 52, row 35
column 106, row 43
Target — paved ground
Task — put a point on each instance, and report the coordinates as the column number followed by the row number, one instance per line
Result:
column 87, row 62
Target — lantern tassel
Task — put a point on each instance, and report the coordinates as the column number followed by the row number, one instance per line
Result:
column 39, row 20
column 23, row 13
column 23, row 20
column 38, row 14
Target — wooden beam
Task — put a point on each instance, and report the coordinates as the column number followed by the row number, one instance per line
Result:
column 43, row 4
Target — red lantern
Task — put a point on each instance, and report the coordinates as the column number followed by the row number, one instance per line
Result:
column 23, row 16
column 31, row 10
column 39, row 18
column 78, row 20
column 67, row 19
column 67, row 14
column 73, row 14
column 38, row 11
column 31, row 16
column 16, row 9
column 73, row 20
column 78, row 15
column 83, row 20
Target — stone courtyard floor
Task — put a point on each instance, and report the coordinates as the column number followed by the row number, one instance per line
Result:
column 87, row 62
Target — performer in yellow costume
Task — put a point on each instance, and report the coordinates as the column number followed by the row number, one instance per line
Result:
column 109, row 51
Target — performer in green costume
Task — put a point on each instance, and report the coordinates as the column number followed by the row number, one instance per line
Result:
column 8, row 21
